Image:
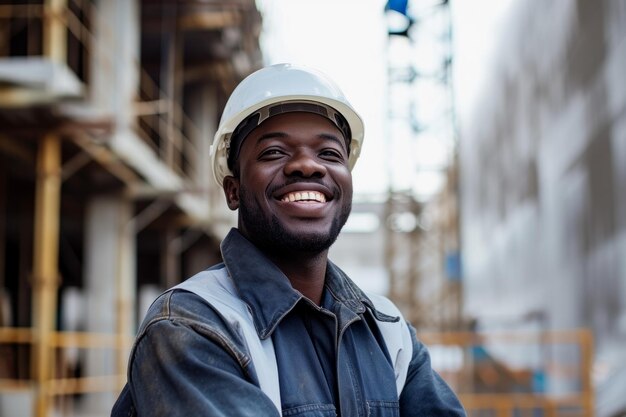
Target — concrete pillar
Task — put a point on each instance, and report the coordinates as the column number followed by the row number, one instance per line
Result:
column 171, row 85
column 116, row 59
column 203, row 111
column 110, row 282
column 170, row 258
column 110, row 235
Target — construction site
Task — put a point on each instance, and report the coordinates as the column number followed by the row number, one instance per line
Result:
column 513, row 272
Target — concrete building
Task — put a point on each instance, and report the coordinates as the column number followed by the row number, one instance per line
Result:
column 107, row 109
column 543, row 180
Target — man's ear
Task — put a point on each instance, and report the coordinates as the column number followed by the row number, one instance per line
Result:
column 231, row 191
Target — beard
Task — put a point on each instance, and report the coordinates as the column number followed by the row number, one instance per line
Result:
column 269, row 234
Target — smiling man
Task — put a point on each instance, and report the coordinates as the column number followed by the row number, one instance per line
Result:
column 278, row 329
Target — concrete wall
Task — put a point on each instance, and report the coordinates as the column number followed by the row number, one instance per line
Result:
column 542, row 135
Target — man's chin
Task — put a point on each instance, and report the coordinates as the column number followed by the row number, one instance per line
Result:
column 298, row 241
column 308, row 243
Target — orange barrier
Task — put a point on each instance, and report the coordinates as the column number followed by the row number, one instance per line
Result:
column 517, row 373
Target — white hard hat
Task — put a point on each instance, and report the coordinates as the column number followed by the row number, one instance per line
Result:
column 266, row 89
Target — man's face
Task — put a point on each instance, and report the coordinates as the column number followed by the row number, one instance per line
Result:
column 294, row 188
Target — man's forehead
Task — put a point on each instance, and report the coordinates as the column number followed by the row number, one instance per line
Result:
column 283, row 126
column 295, row 120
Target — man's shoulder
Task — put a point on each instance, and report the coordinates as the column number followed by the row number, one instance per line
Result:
column 384, row 304
column 216, row 287
column 180, row 303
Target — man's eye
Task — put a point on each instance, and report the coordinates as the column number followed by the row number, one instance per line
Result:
column 270, row 153
column 331, row 153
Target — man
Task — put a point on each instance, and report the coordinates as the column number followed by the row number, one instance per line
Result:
column 277, row 329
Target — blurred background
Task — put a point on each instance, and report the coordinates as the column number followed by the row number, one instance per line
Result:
column 490, row 198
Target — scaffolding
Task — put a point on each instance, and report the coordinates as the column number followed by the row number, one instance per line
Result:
column 496, row 373
column 422, row 231
column 107, row 109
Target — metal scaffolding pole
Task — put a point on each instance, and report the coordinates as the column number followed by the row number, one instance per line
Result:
column 47, row 213
column 55, row 31
column 45, row 264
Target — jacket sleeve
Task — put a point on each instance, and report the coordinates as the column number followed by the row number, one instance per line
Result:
column 425, row 393
column 180, row 367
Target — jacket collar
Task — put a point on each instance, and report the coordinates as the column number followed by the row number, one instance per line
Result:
column 268, row 292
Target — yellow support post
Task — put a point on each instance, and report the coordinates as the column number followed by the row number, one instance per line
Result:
column 55, row 31
column 45, row 264
column 47, row 210
column 587, row 347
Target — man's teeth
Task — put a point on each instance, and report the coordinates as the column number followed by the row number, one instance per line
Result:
column 305, row 196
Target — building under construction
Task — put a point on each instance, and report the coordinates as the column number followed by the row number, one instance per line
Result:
column 106, row 113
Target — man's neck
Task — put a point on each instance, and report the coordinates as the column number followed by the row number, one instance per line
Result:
column 306, row 272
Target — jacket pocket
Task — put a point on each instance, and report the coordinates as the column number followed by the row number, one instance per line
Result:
column 311, row 410
column 383, row 409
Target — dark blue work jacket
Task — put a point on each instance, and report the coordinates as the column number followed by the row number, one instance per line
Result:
column 331, row 359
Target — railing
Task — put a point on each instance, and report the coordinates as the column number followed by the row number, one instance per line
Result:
column 17, row 342
column 164, row 126
column 60, row 32
column 517, row 374
column 553, row 378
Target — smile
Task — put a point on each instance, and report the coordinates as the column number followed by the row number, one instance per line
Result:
column 314, row 196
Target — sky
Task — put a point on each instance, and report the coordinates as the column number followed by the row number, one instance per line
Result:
column 347, row 39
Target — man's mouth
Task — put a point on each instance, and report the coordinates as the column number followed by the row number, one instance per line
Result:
column 304, row 196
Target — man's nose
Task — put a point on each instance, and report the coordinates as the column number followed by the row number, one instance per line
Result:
column 304, row 164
